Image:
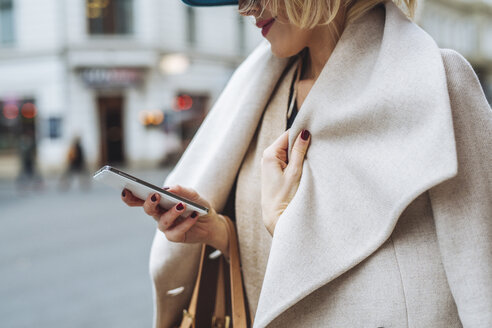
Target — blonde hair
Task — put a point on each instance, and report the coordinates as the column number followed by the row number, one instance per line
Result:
column 309, row 13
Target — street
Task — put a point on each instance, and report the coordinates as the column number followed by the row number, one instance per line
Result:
column 75, row 258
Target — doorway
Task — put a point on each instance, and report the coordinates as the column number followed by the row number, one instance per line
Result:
column 111, row 125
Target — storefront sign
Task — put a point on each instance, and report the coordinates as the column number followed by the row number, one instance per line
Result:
column 112, row 77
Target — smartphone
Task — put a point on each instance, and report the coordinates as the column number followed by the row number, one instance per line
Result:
column 142, row 189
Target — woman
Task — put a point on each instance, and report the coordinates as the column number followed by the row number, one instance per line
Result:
column 375, row 204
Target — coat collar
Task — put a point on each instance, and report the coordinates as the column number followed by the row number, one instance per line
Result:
column 382, row 134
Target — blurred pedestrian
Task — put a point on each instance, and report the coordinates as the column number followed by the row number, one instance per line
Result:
column 28, row 176
column 76, row 166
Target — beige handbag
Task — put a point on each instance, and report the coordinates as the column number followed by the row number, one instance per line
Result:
column 218, row 297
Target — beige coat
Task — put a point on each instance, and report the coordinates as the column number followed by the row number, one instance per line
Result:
column 391, row 224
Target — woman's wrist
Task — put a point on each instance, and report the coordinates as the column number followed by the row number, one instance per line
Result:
column 220, row 236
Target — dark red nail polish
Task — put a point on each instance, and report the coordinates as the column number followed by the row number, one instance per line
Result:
column 194, row 214
column 180, row 206
column 165, row 188
column 305, row 134
column 123, row 193
column 153, row 198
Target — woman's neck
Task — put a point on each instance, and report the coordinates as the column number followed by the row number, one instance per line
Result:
column 321, row 46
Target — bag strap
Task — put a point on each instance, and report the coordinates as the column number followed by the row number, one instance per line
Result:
column 189, row 315
column 220, row 318
column 237, row 293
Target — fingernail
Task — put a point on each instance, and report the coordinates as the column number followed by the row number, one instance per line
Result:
column 305, row 135
column 123, row 193
column 153, row 198
column 194, row 214
column 179, row 207
column 165, row 188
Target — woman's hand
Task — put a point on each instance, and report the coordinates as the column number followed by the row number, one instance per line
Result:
column 209, row 229
column 279, row 179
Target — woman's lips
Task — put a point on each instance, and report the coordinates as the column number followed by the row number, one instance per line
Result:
column 265, row 25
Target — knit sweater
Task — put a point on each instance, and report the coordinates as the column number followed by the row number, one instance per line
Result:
column 253, row 236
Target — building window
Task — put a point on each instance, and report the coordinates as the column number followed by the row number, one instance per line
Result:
column 17, row 120
column 110, row 16
column 54, row 127
column 6, row 22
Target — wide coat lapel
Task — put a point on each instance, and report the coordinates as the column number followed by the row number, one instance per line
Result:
column 382, row 134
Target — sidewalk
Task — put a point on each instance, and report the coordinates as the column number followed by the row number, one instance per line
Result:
column 74, row 258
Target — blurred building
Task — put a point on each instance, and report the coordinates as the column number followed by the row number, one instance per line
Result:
column 135, row 78
column 132, row 78
column 465, row 26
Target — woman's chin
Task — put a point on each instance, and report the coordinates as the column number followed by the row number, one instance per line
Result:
column 281, row 52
